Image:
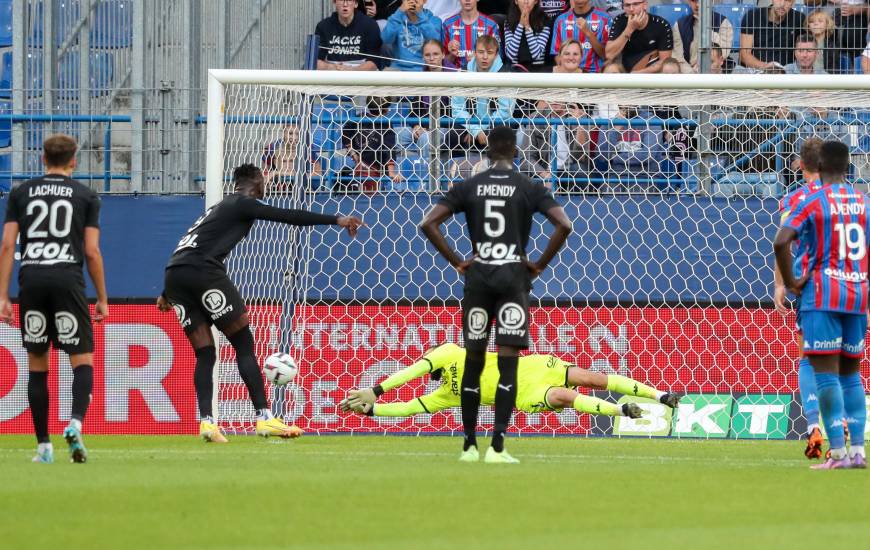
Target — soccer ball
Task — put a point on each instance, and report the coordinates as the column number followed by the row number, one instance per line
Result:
column 280, row 369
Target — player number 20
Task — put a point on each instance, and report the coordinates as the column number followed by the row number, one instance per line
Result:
column 851, row 235
column 59, row 216
column 496, row 229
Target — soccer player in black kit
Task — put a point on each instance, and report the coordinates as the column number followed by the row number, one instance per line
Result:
column 58, row 221
column 498, row 205
column 198, row 289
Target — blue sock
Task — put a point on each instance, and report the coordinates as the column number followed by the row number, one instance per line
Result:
column 855, row 406
column 809, row 393
column 831, row 405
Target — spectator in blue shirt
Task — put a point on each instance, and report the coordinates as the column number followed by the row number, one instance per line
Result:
column 406, row 30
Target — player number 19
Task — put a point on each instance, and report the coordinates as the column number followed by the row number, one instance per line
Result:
column 851, row 235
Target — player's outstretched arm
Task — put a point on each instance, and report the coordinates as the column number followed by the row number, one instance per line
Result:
column 431, row 227
column 368, row 396
column 261, row 211
column 94, row 259
column 7, row 258
column 562, row 227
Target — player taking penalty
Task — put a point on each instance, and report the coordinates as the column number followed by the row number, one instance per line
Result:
column 809, row 164
column 58, row 220
column 499, row 205
column 833, row 223
column 198, row 288
column 544, row 383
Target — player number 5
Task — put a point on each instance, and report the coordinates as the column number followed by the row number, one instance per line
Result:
column 851, row 235
column 491, row 214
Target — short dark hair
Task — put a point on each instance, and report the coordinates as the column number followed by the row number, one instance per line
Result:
column 804, row 37
column 502, row 143
column 834, row 160
column 246, row 175
column 811, row 150
column 59, row 149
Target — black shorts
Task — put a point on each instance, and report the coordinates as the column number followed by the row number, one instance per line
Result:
column 49, row 313
column 202, row 296
column 500, row 293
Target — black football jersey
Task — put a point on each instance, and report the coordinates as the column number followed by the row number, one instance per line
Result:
column 499, row 205
column 52, row 213
column 213, row 235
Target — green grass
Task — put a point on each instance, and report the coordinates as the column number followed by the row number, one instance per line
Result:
column 410, row 492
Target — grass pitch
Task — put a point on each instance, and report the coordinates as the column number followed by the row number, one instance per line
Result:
column 410, row 492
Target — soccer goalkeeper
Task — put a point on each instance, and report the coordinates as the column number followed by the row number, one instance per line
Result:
column 544, row 383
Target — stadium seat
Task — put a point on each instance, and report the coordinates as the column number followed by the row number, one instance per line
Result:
column 671, row 12
column 112, row 26
column 6, row 76
column 5, row 23
column 5, row 125
column 734, row 13
column 415, row 172
column 5, row 173
column 102, row 69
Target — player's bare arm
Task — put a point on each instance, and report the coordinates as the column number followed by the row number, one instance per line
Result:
column 94, row 259
column 7, row 258
column 782, row 250
column 431, row 227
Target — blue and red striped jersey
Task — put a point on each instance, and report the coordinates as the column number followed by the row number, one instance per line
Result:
column 455, row 29
column 832, row 223
column 788, row 205
column 565, row 28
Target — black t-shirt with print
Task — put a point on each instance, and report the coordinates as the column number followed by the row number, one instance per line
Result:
column 656, row 36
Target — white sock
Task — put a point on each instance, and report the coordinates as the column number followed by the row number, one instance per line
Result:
column 838, row 454
column 812, row 427
column 857, row 450
column 42, row 447
column 208, row 419
column 264, row 414
column 75, row 423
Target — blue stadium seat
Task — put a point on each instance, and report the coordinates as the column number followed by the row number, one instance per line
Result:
column 5, row 172
column 734, row 13
column 102, row 72
column 803, row 8
column 112, row 26
column 6, row 76
column 671, row 12
column 5, row 125
column 5, row 23
column 415, row 172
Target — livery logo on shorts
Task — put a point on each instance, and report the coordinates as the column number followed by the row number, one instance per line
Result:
column 478, row 322
column 214, row 300
column 180, row 313
column 67, row 326
column 34, row 327
column 511, row 316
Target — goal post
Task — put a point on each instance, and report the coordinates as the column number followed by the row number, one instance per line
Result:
column 672, row 182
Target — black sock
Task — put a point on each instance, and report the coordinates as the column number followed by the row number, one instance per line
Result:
column 82, row 385
column 202, row 379
column 470, row 397
column 243, row 343
column 505, row 399
column 37, row 397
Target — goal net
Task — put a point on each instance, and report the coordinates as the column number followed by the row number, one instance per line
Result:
column 673, row 184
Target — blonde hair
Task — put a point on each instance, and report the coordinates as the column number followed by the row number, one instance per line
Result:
column 829, row 22
column 567, row 43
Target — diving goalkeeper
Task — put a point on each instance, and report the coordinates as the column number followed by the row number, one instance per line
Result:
column 544, row 383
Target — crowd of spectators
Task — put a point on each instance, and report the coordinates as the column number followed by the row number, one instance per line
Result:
column 559, row 36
